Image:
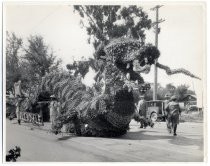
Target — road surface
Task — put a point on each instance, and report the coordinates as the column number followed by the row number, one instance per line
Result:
column 138, row 145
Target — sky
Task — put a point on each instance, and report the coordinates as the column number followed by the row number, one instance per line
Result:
column 181, row 40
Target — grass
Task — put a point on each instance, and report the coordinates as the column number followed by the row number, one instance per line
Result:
column 191, row 116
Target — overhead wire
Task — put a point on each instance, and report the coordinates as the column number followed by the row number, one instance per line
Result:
column 45, row 18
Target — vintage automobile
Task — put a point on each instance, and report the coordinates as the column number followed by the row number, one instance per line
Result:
column 155, row 110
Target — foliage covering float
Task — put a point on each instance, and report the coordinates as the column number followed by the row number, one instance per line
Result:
column 92, row 115
column 122, row 51
column 96, row 113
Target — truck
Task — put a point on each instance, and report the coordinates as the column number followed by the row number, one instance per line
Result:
column 156, row 110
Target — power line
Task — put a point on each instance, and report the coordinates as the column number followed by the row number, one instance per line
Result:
column 45, row 18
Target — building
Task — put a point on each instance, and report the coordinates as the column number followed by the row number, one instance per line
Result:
column 190, row 100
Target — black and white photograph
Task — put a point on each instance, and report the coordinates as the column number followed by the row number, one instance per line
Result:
column 104, row 82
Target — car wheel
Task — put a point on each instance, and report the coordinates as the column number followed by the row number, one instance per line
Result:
column 153, row 116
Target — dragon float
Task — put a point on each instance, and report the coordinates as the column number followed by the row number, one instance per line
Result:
column 105, row 113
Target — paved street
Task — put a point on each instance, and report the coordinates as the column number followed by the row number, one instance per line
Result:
column 140, row 145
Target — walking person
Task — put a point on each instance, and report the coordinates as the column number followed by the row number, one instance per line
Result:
column 141, row 107
column 173, row 112
column 18, row 112
column 18, row 96
column 53, row 110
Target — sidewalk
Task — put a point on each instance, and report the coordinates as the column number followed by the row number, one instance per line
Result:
column 45, row 127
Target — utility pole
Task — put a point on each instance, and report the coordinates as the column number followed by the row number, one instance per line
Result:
column 157, row 31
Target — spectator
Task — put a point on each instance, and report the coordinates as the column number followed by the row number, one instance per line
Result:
column 172, row 114
column 141, row 107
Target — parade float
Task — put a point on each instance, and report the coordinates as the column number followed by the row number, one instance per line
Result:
column 106, row 109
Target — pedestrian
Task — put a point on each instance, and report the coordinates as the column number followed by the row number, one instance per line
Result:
column 141, row 107
column 18, row 96
column 53, row 110
column 18, row 111
column 173, row 112
column 17, row 88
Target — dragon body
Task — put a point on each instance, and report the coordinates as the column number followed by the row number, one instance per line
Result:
column 108, row 112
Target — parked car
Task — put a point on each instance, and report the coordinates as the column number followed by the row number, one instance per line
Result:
column 156, row 110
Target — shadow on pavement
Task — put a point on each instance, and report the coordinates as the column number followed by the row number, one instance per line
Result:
column 176, row 140
column 141, row 136
column 64, row 138
column 183, row 141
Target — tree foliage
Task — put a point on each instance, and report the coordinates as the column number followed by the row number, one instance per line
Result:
column 34, row 62
column 13, row 46
column 171, row 88
column 107, row 22
column 104, row 22
column 180, row 91
column 39, row 57
column 78, row 67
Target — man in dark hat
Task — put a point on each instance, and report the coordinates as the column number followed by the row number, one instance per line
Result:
column 172, row 114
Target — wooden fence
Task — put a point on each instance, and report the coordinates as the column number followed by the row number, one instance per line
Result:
column 33, row 118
